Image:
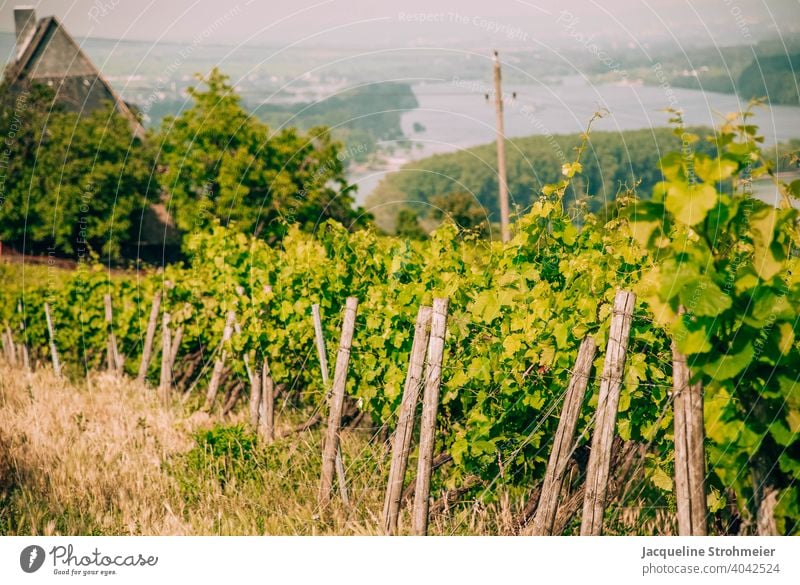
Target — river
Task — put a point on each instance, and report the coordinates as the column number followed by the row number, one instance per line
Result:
column 455, row 116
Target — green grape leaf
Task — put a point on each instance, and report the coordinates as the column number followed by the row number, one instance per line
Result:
column 781, row 433
column 714, row 170
column 690, row 338
column 661, row 479
column 715, row 501
column 701, row 296
column 767, row 259
column 727, row 366
column 690, row 203
column 458, row 449
column 789, row 465
column 672, row 166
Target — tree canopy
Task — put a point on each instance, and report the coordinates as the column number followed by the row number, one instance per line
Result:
column 220, row 163
column 70, row 184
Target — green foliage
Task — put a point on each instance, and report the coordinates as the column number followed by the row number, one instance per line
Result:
column 220, row 163
column 361, row 117
column 72, row 184
column 228, row 454
column 773, row 77
column 613, row 162
column 462, row 209
column 727, row 260
column 518, row 313
column 408, row 225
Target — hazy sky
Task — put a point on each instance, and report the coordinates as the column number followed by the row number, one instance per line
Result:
column 419, row 22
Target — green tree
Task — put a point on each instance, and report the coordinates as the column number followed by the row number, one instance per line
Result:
column 613, row 161
column 773, row 77
column 220, row 163
column 463, row 209
column 408, row 225
column 70, row 183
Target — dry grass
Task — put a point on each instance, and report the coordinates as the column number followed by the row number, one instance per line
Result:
column 102, row 457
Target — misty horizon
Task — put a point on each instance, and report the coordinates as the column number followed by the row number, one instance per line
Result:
column 509, row 25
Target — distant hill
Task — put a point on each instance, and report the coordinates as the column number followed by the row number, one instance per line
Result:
column 766, row 71
column 777, row 77
column 613, row 161
column 361, row 117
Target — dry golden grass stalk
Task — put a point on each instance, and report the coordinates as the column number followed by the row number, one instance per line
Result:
column 105, row 457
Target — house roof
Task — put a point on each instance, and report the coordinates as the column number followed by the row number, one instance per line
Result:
column 31, row 47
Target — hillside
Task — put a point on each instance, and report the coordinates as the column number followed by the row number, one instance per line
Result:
column 361, row 117
column 612, row 162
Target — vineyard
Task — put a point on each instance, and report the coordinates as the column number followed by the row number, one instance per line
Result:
column 709, row 278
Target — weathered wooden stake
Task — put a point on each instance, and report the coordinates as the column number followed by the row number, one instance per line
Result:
column 26, row 360
column 267, row 407
column 594, row 502
column 246, row 358
column 765, row 515
column 115, row 363
column 23, row 347
column 255, row 400
column 321, row 351
column 430, row 407
column 405, row 421
column 174, row 346
column 562, row 442
column 340, row 477
column 165, row 385
column 147, row 350
column 6, row 349
column 12, row 348
column 323, row 366
column 690, row 466
column 331, row 445
column 53, row 349
column 9, row 346
column 219, row 364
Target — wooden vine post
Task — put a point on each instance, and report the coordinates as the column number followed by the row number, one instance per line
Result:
column 255, row 400
column 690, row 466
column 219, row 364
column 430, row 407
column 262, row 394
column 246, row 358
column 266, row 426
column 113, row 357
column 10, row 348
column 51, row 334
column 405, row 422
column 174, row 346
column 147, row 350
column 331, row 445
column 23, row 347
column 165, row 384
column 323, row 366
column 6, row 351
column 610, row 387
column 562, row 442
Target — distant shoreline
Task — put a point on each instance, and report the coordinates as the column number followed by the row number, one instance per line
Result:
column 470, row 123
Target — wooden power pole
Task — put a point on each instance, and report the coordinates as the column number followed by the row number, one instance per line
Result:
column 501, row 150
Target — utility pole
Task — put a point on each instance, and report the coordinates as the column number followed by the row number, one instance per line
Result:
column 501, row 150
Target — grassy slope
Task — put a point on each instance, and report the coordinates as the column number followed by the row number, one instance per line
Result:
column 102, row 457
